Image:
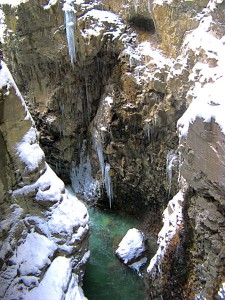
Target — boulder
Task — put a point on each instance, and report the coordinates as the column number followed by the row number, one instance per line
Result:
column 131, row 249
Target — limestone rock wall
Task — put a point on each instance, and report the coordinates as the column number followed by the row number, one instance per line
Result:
column 189, row 263
column 68, row 102
column 62, row 98
column 109, row 121
column 42, row 228
column 204, row 170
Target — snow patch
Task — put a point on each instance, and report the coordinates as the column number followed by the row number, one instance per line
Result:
column 98, row 19
column 49, row 187
column 221, row 292
column 69, row 214
column 13, row 2
column 58, row 283
column 172, row 219
column 30, row 152
column 50, row 3
column 207, row 78
column 34, row 254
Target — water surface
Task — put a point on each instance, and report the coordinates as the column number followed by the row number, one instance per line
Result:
column 106, row 278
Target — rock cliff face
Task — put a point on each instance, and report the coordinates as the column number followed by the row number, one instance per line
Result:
column 112, row 97
column 108, row 121
column 43, row 229
column 189, row 263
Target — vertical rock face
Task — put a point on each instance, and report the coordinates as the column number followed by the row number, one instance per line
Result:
column 62, row 98
column 189, row 263
column 109, row 120
column 203, row 167
column 43, row 230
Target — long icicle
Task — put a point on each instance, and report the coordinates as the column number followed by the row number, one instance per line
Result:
column 70, row 19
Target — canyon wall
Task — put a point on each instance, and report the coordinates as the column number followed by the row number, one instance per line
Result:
column 189, row 263
column 43, row 230
column 108, row 121
column 112, row 99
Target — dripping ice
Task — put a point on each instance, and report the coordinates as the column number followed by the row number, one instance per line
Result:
column 98, row 148
column 70, row 20
column 171, row 162
column 105, row 168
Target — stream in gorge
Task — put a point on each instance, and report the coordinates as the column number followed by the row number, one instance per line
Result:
column 105, row 276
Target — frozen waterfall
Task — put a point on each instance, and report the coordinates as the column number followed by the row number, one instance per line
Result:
column 70, row 19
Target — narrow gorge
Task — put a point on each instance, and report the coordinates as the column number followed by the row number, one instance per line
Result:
column 124, row 102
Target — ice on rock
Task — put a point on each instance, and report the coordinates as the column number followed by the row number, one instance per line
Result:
column 137, row 265
column 70, row 20
column 132, row 248
column 99, row 150
column 105, row 168
column 171, row 163
column 81, row 176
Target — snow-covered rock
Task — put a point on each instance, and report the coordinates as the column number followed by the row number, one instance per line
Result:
column 43, row 229
column 132, row 248
column 172, row 220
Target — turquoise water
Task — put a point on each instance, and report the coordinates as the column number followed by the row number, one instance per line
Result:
column 106, row 278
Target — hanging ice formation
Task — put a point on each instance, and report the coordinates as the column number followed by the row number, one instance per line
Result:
column 81, row 176
column 149, row 6
column 136, row 6
column 171, row 162
column 105, row 169
column 108, row 184
column 70, row 20
column 98, row 147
